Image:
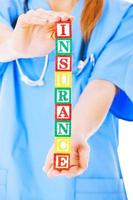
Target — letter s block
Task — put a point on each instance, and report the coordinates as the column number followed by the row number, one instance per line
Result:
column 63, row 63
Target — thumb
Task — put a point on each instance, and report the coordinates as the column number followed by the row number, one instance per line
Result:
column 84, row 155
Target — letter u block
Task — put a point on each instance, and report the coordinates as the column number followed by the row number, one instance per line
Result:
column 63, row 79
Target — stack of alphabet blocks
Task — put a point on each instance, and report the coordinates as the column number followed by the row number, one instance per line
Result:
column 63, row 94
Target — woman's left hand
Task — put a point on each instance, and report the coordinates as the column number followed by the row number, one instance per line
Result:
column 79, row 158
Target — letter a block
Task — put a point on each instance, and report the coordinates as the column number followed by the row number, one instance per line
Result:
column 62, row 161
column 63, row 111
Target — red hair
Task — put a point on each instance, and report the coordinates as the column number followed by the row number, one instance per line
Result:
column 91, row 13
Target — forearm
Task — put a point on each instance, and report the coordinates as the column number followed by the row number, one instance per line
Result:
column 92, row 107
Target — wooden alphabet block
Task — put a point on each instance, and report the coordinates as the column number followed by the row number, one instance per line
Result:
column 63, row 79
column 62, row 95
column 63, row 30
column 63, row 63
column 64, row 46
column 62, row 161
column 63, row 111
column 62, row 145
column 63, row 128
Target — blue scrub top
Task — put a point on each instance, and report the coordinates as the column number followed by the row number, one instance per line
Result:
column 27, row 113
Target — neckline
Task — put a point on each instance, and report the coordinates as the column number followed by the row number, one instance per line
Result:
column 72, row 11
column 45, row 5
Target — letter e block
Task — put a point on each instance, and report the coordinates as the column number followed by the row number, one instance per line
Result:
column 62, row 161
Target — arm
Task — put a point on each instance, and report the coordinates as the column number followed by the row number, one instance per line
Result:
column 32, row 36
column 88, row 115
column 93, row 107
column 6, row 51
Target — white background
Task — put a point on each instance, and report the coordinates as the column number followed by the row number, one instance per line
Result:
column 126, row 155
column 126, row 152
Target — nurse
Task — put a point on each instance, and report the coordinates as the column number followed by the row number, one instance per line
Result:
column 102, row 93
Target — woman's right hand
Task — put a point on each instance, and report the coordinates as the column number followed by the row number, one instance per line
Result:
column 34, row 33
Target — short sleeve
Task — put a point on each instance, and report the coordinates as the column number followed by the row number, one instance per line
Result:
column 8, row 12
column 115, row 64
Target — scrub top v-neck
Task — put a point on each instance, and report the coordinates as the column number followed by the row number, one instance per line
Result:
column 27, row 113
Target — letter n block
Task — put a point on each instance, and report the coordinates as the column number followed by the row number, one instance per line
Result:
column 64, row 46
column 63, row 128
column 62, row 161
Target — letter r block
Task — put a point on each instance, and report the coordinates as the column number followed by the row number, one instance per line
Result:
column 62, row 95
column 62, row 161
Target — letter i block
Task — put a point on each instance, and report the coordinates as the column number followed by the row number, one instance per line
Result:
column 63, row 29
column 63, row 63
column 62, row 161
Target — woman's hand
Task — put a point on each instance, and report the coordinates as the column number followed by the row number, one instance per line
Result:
column 79, row 158
column 34, row 33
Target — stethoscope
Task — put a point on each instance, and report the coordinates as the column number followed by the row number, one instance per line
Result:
column 40, row 81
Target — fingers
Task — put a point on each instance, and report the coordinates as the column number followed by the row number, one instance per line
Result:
column 84, row 152
column 42, row 17
column 81, row 159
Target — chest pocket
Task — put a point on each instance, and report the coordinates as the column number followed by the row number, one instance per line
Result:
column 3, row 184
column 83, row 71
